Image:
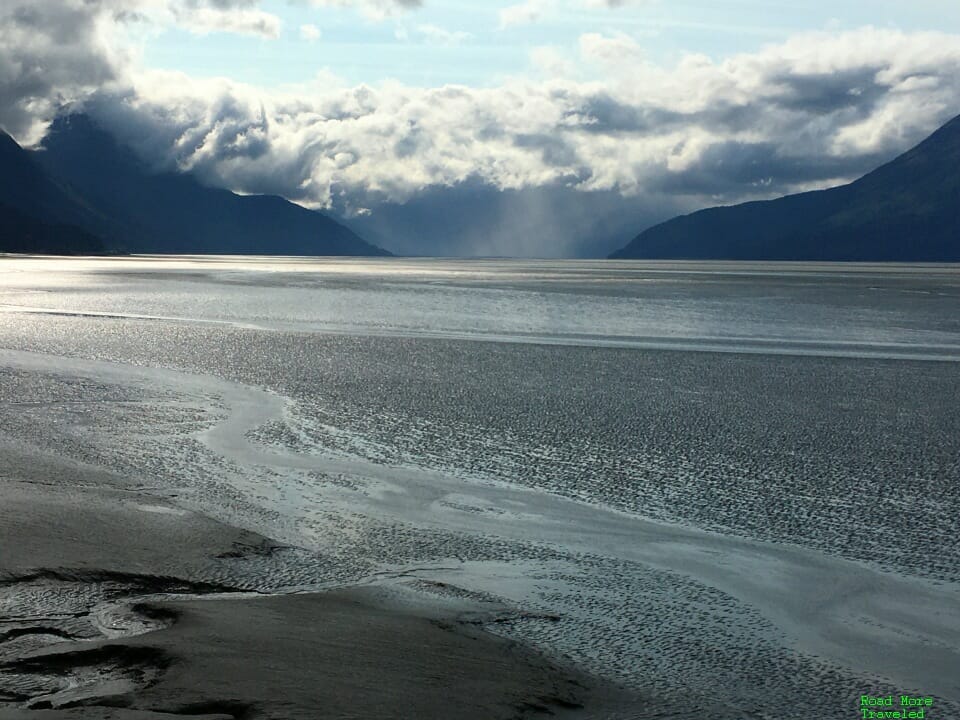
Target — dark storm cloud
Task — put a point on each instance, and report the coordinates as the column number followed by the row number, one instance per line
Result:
column 50, row 53
column 56, row 52
column 602, row 113
column 821, row 93
column 734, row 170
column 553, row 150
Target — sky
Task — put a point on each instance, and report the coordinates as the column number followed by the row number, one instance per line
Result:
column 363, row 107
column 482, row 43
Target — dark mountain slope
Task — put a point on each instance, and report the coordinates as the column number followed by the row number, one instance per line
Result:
column 907, row 210
column 39, row 214
column 20, row 233
column 174, row 213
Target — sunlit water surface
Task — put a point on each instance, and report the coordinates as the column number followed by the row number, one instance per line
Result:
column 732, row 486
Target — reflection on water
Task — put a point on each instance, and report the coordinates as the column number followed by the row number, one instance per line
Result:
column 763, row 307
column 702, row 527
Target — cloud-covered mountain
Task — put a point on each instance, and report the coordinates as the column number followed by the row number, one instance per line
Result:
column 599, row 117
column 145, row 210
column 906, row 210
column 584, row 124
column 818, row 110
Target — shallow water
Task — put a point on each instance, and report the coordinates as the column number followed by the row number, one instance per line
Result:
column 735, row 484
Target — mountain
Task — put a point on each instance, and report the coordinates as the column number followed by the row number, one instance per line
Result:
column 21, row 233
column 38, row 214
column 168, row 212
column 907, row 210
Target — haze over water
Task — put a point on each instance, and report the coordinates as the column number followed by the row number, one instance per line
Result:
column 731, row 486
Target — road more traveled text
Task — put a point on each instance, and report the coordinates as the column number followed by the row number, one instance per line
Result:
column 900, row 707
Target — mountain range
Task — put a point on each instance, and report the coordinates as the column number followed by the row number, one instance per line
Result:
column 907, row 210
column 83, row 192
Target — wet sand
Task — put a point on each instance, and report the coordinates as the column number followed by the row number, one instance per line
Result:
column 115, row 604
column 887, row 624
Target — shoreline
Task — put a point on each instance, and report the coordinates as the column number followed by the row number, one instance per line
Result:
column 777, row 583
column 98, row 621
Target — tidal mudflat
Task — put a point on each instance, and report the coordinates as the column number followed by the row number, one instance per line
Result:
column 649, row 489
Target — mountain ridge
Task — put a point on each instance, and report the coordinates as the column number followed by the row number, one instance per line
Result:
column 169, row 212
column 906, row 210
column 82, row 191
column 38, row 213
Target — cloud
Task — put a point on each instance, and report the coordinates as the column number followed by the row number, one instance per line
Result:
column 618, row 49
column 820, row 108
column 750, row 168
column 524, row 13
column 817, row 109
column 310, row 33
column 531, row 11
column 51, row 53
column 612, row 4
column 373, row 9
column 552, row 62
column 441, row 36
column 58, row 52
column 219, row 17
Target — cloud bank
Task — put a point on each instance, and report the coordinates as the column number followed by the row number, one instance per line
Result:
column 818, row 109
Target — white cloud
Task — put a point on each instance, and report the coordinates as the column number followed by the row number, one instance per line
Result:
column 310, row 33
column 442, row 36
column 524, row 13
column 618, row 50
column 552, row 62
column 203, row 20
column 531, row 11
column 373, row 9
column 611, row 4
